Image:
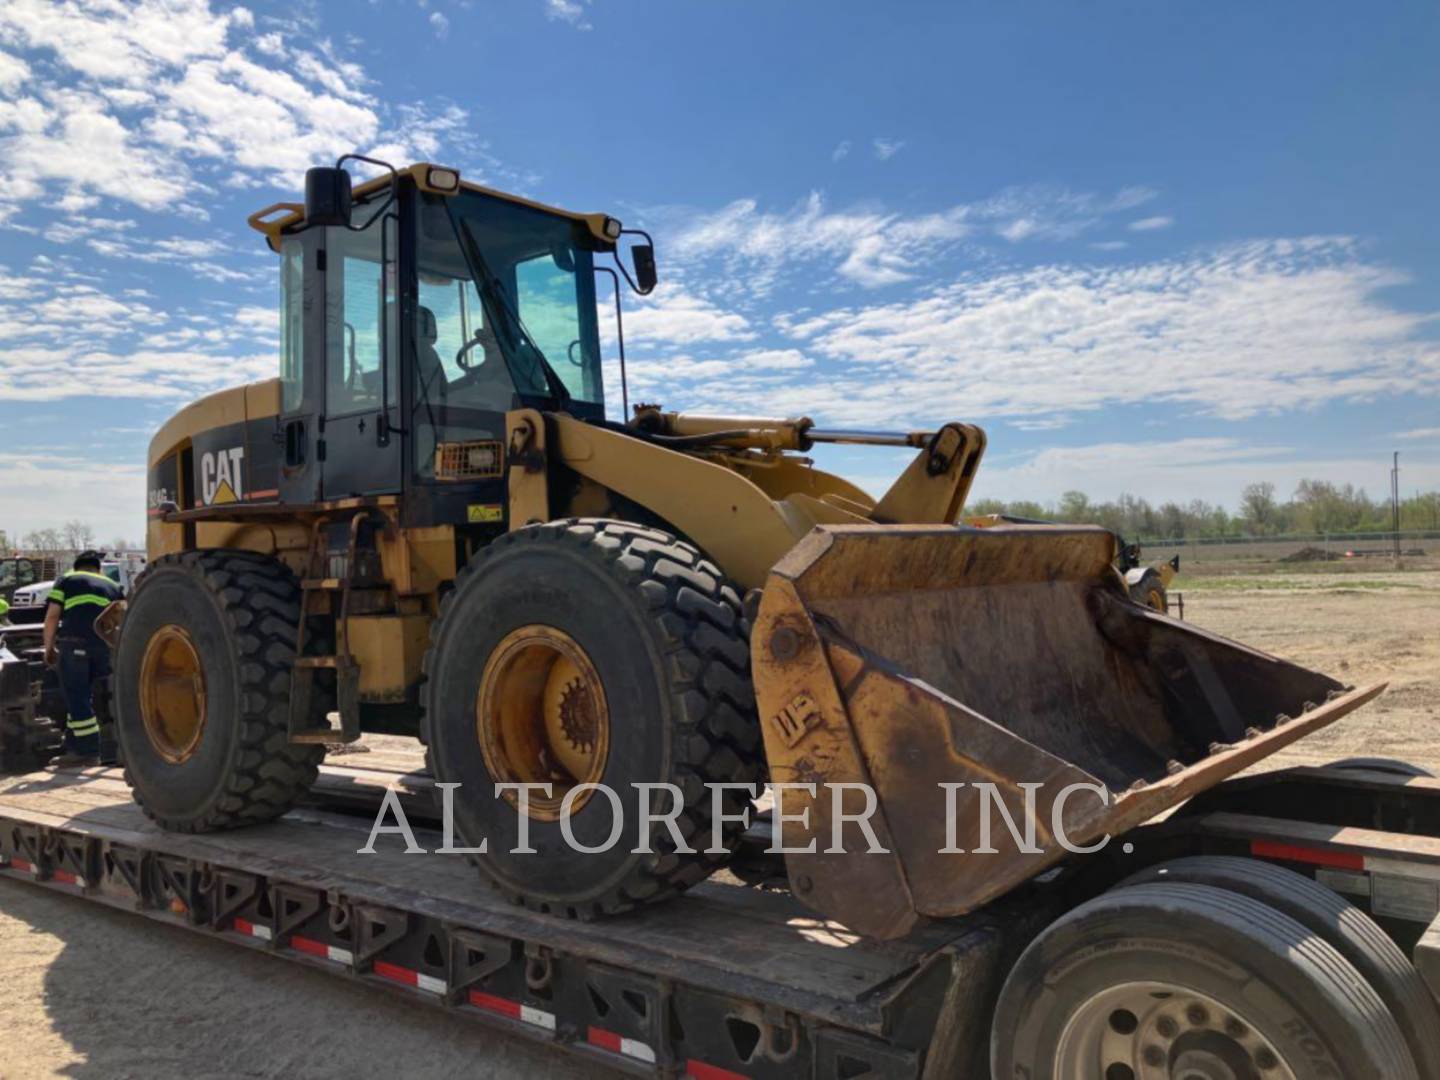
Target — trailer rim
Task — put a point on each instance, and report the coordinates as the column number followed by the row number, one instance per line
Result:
column 1159, row 1030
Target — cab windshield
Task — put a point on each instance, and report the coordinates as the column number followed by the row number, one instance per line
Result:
column 508, row 306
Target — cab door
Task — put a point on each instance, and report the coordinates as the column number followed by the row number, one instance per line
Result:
column 302, row 367
column 362, row 451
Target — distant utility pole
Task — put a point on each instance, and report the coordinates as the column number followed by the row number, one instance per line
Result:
column 1395, row 501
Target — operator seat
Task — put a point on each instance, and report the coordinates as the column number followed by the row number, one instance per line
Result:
column 428, row 364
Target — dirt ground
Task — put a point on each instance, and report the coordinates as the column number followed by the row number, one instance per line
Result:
column 1359, row 625
column 88, row 992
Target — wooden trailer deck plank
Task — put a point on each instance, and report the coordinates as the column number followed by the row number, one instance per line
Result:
column 762, row 946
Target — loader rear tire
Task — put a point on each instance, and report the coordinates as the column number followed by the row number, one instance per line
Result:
column 1195, row 981
column 217, row 756
column 656, row 649
column 1353, row 933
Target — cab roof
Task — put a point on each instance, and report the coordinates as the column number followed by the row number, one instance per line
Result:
column 280, row 218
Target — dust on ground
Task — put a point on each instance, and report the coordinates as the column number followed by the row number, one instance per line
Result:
column 89, row 992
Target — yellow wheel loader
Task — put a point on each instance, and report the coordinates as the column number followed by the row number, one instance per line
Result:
column 427, row 525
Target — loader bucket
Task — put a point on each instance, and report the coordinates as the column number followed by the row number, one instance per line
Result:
column 905, row 658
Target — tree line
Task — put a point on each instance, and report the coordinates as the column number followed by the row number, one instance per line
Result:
column 74, row 535
column 1316, row 506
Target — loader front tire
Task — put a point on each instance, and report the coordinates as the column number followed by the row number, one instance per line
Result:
column 201, row 691
column 592, row 652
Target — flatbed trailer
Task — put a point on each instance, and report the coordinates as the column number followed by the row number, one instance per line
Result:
column 734, row 979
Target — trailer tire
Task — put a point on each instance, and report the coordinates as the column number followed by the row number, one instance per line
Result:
column 1353, row 933
column 1393, row 766
column 1181, row 970
column 659, row 639
column 236, row 614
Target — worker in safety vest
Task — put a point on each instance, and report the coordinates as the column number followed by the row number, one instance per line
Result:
column 4, row 608
column 70, row 638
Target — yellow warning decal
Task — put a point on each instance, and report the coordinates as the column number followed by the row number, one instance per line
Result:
column 477, row 513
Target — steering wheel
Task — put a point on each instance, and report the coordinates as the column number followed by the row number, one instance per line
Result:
column 484, row 338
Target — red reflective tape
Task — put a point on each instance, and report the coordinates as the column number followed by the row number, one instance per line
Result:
column 67, row 877
column 396, row 973
column 23, row 866
column 698, row 1070
column 606, row 1040
column 314, row 948
column 494, row 1004
column 1273, row 849
column 255, row 930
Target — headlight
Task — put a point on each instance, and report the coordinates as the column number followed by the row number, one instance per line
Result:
column 613, row 228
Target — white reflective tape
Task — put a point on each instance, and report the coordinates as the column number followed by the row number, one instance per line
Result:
column 537, row 1017
column 261, row 932
column 636, row 1049
column 340, row 956
column 429, row 982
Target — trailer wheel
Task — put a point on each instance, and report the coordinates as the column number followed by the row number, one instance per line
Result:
column 1393, row 766
column 1182, row 980
column 585, row 652
column 1353, row 933
column 201, row 691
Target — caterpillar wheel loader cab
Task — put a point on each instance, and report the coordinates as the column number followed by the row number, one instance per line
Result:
column 427, row 525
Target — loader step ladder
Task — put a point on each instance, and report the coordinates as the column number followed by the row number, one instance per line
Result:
column 319, row 592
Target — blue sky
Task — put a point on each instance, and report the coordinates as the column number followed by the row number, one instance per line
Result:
column 1157, row 248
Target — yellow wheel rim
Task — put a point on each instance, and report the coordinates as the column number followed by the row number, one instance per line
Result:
column 172, row 694
column 541, row 717
column 1156, row 599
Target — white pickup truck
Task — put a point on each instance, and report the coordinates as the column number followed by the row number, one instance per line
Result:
column 28, row 603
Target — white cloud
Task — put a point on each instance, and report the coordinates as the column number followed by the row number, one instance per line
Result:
column 13, row 72
column 885, row 149
column 1420, row 433
column 873, row 247
column 1110, row 245
column 174, row 97
column 841, row 151
column 440, row 24
column 672, row 316
column 1249, row 329
column 1151, row 224
column 570, row 11
column 43, row 488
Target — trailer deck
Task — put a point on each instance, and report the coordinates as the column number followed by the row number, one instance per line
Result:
column 751, row 983
column 731, row 980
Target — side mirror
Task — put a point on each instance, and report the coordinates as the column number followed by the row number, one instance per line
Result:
column 327, row 197
column 645, row 276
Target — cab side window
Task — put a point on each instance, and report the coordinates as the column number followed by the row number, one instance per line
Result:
column 292, row 324
column 360, row 313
